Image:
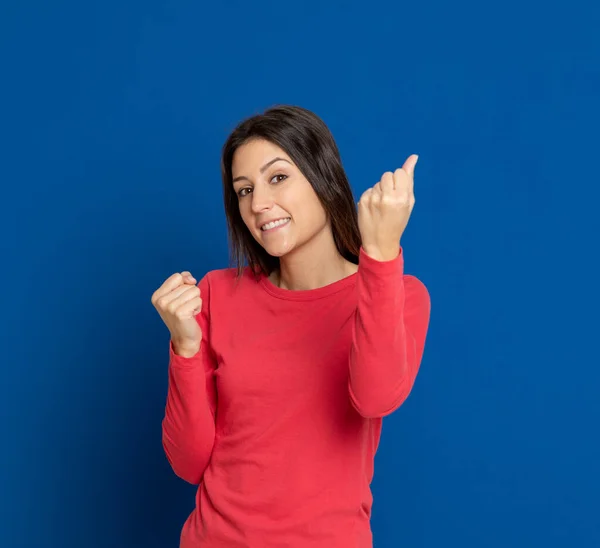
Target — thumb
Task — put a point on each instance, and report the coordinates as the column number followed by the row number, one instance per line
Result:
column 188, row 274
column 409, row 165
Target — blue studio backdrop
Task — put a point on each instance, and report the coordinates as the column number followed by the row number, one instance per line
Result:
column 112, row 120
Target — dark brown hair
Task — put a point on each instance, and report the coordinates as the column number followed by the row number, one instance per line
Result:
column 311, row 146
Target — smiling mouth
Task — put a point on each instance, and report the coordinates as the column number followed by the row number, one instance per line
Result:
column 275, row 224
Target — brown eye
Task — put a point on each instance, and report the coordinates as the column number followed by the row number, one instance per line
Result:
column 279, row 175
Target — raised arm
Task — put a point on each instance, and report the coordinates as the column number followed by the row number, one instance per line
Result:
column 388, row 335
column 188, row 426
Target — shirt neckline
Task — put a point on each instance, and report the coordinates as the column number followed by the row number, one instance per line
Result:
column 307, row 294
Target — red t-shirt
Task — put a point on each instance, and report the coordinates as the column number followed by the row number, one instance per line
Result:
column 278, row 416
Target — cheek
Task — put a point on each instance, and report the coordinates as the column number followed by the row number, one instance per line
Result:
column 314, row 212
column 302, row 202
column 246, row 216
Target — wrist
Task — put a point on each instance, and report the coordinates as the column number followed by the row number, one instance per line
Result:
column 185, row 350
column 382, row 255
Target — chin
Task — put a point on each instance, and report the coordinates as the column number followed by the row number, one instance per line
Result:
column 277, row 252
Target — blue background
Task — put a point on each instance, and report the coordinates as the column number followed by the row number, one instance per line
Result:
column 112, row 120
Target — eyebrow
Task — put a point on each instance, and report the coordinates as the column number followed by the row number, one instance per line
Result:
column 263, row 168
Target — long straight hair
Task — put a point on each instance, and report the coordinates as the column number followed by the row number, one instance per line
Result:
column 311, row 146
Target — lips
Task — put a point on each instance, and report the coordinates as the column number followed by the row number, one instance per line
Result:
column 271, row 221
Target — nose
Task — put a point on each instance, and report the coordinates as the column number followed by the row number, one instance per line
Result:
column 262, row 199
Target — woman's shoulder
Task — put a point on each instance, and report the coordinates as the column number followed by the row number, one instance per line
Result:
column 227, row 280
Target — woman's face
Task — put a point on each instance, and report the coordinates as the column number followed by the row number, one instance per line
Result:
column 271, row 188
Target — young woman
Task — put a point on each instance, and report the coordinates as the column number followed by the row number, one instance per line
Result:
column 281, row 370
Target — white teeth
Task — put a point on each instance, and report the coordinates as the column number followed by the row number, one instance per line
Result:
column 268, row 226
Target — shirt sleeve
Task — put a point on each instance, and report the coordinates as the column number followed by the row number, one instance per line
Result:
column 388, row 335
column 188, row 426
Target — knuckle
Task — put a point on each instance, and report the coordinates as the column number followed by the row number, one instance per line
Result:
column 401, row 195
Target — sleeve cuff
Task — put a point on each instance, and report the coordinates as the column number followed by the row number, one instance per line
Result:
column 381, row 267
column 176, row 358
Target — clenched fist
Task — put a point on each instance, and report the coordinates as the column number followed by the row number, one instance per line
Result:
column 384, row 210
column 178, row 302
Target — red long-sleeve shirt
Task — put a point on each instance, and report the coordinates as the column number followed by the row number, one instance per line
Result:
column 278, row 416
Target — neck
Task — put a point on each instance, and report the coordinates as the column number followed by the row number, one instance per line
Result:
column 315, row 264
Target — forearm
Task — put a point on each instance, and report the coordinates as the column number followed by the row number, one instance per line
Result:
column 384, row 355
column 188, row 427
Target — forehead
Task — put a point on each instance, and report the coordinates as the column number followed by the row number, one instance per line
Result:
column 252, row 155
